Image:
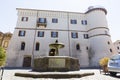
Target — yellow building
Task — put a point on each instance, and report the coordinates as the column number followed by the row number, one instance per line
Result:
column 4, row 39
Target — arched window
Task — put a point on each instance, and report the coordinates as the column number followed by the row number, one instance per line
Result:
column 5, row 44
column 78, row 47
column 87, row 48
column 23, row 46
column 37, row 46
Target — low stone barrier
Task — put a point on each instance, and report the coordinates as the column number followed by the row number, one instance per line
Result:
column 56, row 76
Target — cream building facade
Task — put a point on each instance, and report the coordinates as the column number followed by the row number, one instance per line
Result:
column 85, row 36
column 117, row 46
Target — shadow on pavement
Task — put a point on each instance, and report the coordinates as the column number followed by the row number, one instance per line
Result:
column 117, row 76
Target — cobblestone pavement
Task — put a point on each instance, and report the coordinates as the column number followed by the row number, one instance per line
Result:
column 9, row 75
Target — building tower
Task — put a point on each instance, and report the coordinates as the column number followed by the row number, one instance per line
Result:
column 99, row 37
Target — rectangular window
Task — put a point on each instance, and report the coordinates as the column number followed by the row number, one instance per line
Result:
column 42, row 20
column 73, row 21
column 24, row 19
column 54, row 20
column 21, row 33
column 74, row 35
column 40, row 34
column 86, row 36
column 84, row 22
column 5, row 44
column 54, row 34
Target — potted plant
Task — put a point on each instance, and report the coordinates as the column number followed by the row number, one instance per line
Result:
column 103, row 63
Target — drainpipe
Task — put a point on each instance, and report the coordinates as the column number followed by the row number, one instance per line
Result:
column 68, row 34
column 34, row 42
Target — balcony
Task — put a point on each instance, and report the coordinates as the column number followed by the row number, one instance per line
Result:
column 42, row 22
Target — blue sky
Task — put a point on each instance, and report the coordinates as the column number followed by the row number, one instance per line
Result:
column 8, row 13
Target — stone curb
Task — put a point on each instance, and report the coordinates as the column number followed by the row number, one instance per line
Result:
column 56, row 76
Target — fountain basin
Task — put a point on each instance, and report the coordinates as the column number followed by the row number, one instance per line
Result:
column 56, row 45
column 56, row 63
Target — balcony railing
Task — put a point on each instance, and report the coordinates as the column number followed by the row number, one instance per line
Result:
column 42, row 22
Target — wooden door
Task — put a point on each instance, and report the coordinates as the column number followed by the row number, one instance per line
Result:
column 27, row 61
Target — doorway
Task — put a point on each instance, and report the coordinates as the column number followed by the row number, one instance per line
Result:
column 27, row 61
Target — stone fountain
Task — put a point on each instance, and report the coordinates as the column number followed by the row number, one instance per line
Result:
column 54, row 62
column 54, row 48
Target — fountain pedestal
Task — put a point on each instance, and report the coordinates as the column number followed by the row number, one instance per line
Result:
column 56, row 63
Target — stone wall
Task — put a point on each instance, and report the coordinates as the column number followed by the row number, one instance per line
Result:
column 56, row 64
